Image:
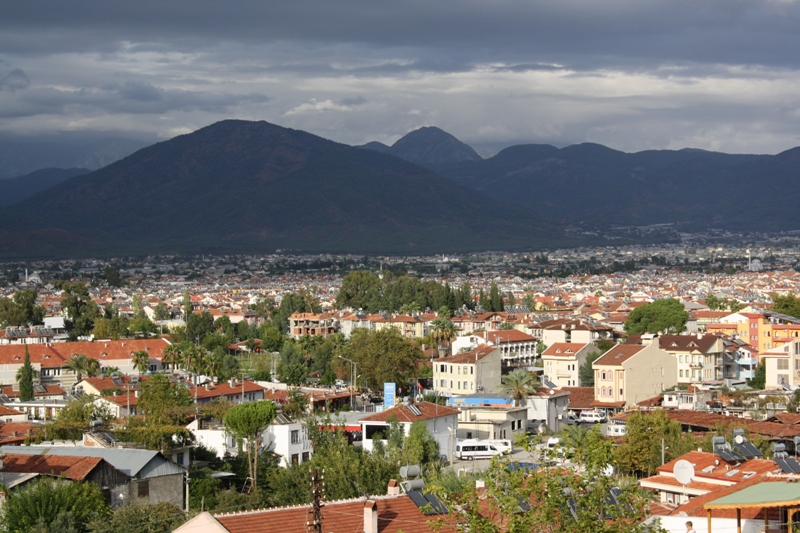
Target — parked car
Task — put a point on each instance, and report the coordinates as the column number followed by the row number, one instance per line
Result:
column 570, row 420
column 592, row 417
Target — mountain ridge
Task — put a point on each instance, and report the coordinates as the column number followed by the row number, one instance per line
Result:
column 238, row 185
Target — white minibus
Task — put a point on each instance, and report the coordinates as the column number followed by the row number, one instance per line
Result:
column 475, row 449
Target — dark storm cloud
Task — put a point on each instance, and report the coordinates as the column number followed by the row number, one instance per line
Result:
column 586, row 33
column 633, row 74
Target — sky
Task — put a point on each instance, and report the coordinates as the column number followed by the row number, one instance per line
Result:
column 630, row 74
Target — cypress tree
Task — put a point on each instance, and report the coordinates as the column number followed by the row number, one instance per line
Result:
column 26, row 379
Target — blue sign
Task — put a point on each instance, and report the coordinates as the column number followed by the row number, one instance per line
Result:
column 389, row 393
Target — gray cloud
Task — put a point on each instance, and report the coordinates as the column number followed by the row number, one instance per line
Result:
column 14, row 81
column 630, row 74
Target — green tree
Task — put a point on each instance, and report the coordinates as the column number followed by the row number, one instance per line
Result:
column 80, row 309
column 161, row 401
column 383, row 356
column 161, row 312
column 78, row 364
column 198, row 326
column 141, row 361
column 147, row 518
column 46, row 501
column 667, row 315
column 519, row 384
column 112, row 277
column 641, row 447
column 759, row 381
column 788, row 304
column 443, row 333
column 25, row 379
column 187, row 306
column 495, row 300
column 246, row 422
column 360, row 290
column 21, row 310
column 585, row 372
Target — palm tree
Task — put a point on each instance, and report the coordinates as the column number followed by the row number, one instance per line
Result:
column 519, row 384
column 141, row 361
column 443, row 332
column 92, row 367
column 574, row 439
column 77, row 363
column 171, row 356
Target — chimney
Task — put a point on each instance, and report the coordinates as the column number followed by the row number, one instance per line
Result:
column 394, row 488
column 370, row 516
column 232, row 382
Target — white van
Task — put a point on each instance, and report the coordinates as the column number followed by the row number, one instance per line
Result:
column 503, row 445
column 592, row 417
column 475, row 449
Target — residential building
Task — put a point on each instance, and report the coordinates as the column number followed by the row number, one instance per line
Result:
column 764, row 331
column 782, row 366
column 580, row 331
column 312, row 324
column 491, row 422
column 286, row 437
column 151, row 477
column 468, row 373
column 562, row 362
column 440, row 421
column 628, row 374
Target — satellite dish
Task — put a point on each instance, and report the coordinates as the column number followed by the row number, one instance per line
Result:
column 738, row 439
column 683, row 471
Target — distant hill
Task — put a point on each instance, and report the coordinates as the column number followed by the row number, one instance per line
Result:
column 238, row 185
column 594, row 184
column 16, row 189
column 428, row 146
column 21, row 156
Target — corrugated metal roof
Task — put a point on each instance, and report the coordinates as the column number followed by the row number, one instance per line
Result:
column 130, row 461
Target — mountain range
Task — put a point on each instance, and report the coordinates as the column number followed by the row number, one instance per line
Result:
column 253, row 186
column 238, row 185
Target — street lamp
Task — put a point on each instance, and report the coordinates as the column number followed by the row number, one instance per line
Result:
column 353, row 378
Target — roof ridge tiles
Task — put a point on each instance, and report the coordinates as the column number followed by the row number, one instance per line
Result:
column 302, row 505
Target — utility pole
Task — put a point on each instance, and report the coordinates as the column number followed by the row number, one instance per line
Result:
column 317, row 491
column 353, row 377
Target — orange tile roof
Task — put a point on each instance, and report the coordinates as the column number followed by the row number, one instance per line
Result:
column 49, row 390
column 224, row 389
column 580, row 397
column 70, row 467
column 467, row 357
column 619, row 354
column 395, row 515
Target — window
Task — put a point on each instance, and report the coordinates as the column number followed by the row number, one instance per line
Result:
column 797, row 364
column 783, row 364
column 464, row 370
column 680, row 373
column 680, row 359
column 443, row 369
column 295, row 458
column 471, row 370
column 179, row 458
column 295, row 436
column 143, row 488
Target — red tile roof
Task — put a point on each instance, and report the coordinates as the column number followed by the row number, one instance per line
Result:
column 404, row 414
column 580, row 397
